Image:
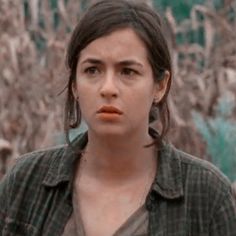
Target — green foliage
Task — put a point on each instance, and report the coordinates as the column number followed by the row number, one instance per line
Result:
column 182, row 8
column 219, row 133
column 182, row 11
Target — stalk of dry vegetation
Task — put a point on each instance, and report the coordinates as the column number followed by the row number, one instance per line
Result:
column 30, row 79
column 203, row 73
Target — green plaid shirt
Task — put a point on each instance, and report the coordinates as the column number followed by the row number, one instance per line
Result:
column 189, row 197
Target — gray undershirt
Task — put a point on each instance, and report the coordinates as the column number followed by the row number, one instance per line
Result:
column 135, row 225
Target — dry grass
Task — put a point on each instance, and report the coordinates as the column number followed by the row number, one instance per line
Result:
column 31, row 111
column 204, row 73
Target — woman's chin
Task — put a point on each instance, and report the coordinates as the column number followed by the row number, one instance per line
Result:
column 109, row 131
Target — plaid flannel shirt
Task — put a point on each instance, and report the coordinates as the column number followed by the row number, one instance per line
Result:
column 189, row 196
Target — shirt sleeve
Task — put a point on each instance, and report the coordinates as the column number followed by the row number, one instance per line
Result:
column 223, row 221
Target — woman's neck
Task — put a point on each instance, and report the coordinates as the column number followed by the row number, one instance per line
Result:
column 114, row 160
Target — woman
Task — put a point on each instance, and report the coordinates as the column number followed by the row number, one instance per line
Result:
column 120, row 177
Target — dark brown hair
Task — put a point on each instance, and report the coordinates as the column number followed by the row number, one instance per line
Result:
column 104, row 17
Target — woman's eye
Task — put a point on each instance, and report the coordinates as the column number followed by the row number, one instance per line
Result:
column 128, row 72
column 91, row 70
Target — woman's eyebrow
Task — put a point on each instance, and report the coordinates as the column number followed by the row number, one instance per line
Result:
column 92, row 61
column 130, row 63
column 120, row 63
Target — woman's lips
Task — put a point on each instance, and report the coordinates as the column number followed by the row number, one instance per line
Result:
column 109, row 109
column 109, row 113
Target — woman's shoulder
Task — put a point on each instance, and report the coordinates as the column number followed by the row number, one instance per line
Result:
column 191, row 174
column 202, row 180
column 200, row 168
column 39, row 158
column 207, row 193
column 48, row 165
column 33, row 166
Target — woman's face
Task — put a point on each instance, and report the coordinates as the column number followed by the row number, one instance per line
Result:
column 115, row 85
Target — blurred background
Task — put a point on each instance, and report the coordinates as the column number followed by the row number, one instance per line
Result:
column 202, row 41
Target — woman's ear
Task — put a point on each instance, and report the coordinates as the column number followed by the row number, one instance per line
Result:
column 74, row 91
column 160, row 87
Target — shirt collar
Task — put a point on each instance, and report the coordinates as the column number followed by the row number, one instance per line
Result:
column 168, row 181
column 62, row 168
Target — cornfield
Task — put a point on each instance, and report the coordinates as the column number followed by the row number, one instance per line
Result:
column 33, row 39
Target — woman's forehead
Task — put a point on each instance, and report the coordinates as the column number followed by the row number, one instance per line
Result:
column 122, row 43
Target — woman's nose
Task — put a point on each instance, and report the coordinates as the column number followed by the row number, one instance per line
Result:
column 109, row 87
